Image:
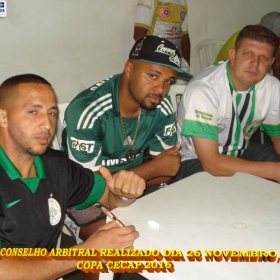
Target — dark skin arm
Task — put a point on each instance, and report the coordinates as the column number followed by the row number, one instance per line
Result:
column 223, row 165
column 139, row 32
column 161, row 168
column 186, row 47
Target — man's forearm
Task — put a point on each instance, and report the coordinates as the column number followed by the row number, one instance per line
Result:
column 35, row 269
column 224, row 165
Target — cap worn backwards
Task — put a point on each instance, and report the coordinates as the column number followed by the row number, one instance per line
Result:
column 272, row 22
column 157, row 50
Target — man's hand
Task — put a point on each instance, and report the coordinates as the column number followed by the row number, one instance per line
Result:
column 168, row 162
column 124, row 183
column 112, row 237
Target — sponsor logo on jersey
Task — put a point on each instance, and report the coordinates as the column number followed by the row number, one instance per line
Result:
column 82, row 145
column 170, row 129
column 182, row 15
column 203, row 115
column 113, row 161
column 165, row 12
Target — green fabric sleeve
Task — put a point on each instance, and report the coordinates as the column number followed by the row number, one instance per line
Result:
column 271, row 130
column 96, row 193
column 192, row 128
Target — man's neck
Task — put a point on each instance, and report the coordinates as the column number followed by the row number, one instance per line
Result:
column 23, row 162
column 237, row 86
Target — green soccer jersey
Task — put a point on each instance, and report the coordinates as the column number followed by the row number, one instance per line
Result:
column 93, row 134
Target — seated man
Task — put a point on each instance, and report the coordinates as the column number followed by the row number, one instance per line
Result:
column 114, row 121
column 38, row 183
column 224, row 105
column 270, row 21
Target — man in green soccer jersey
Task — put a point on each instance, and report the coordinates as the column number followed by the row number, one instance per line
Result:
column 113, row 122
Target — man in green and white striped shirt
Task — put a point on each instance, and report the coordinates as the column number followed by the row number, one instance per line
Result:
column 225, row 104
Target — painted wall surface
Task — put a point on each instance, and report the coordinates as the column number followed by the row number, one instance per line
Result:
column 75, row 44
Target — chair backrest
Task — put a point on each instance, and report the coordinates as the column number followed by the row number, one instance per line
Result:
column 176, row 93
column 207, row 51
column 56, row 142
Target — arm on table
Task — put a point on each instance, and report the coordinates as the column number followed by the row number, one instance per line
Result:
column 224, row 165
column 186, row 47
column 108, row 236
column 276, row 144
column 161, row 168
column 123, row 183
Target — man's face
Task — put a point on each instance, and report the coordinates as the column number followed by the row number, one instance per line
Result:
column 149, row 83
column 250, row 63
column 31, row 118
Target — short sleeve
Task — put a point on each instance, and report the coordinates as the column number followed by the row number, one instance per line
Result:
column 144, row 13
column 197, row 112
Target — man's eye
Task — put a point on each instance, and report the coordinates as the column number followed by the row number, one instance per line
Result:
column 170, row 82
column 264, row 58
column 153, row 76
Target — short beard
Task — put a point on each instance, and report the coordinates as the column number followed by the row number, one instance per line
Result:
column 33, row 152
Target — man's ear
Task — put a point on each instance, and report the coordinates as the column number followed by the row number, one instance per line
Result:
column 232, row 54
column 128, row 68
column 3, row 118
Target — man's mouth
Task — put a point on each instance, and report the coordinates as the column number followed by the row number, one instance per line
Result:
column 155, row 99
column 43, row 139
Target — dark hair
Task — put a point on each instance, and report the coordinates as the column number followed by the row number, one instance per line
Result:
column 25, row 79
column 7, row 86
column 257, row 33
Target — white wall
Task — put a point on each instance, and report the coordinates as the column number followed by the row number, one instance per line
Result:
column 74, row 44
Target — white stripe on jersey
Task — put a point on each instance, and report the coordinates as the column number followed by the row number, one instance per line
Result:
column 87, row 109
column 101, row 112
column 165, row 107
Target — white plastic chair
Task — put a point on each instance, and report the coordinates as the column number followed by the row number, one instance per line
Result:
column 207, row 51
column 176, row 93
column 56, row 142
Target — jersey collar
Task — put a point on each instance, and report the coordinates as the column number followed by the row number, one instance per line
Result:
column 230, row 80
column 13, row 173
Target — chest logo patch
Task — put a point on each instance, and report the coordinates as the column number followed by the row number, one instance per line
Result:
column 165, row 12
column 250, row 128
column 182, row 15
column 54, row 211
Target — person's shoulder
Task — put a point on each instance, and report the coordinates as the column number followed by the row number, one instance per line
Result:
column 93, row 100
column 54, row 154
column 211, row 73
column 166, row 107
column 269, row 81
column 96, row 90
